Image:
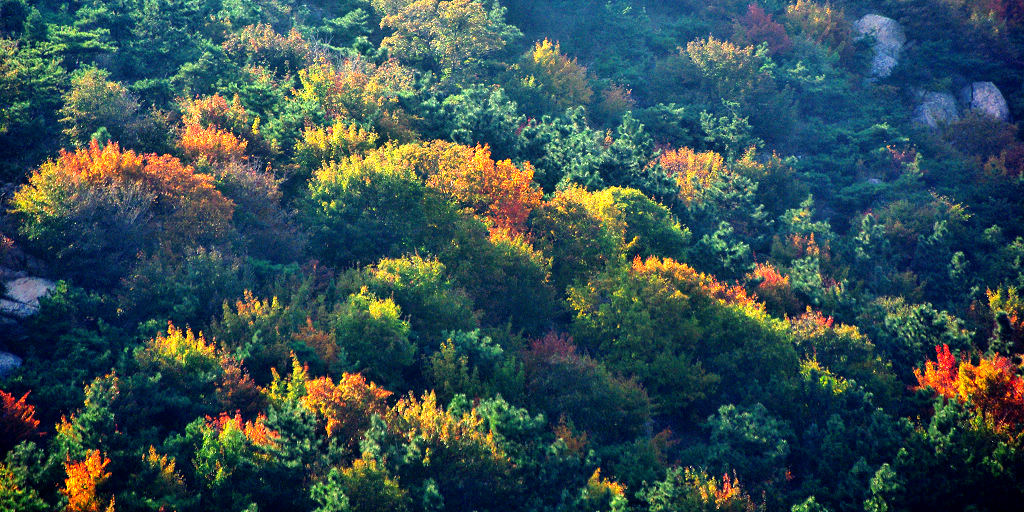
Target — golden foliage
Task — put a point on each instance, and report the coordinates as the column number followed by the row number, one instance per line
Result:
column 562, row 79
column 256, row 431
column 184, row 203
column 359, row 91
column 688, row 280
column 424, row 419
column 82, row 479
column 992, row 387
column 347, row 405
column 692, row 171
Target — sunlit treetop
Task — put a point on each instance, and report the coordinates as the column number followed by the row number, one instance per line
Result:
column 993, row 388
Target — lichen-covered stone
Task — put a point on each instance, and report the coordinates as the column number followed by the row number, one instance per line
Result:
column 21, row 296
column 936, row 109
column 986, row 98
column 888, row 40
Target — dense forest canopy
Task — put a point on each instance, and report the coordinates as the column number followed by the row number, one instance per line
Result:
column 537, row 255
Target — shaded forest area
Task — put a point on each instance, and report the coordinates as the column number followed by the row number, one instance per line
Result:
column 537, row 255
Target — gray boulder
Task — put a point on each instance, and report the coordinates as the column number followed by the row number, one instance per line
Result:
column 889, row 39
column 8, row 363
column 935, row 109
column 985, row 98
column 21, row 296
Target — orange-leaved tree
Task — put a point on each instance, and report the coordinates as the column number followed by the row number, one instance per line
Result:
column 992, row 387
column 499, row 190
column 346, row 406
column 83, row 477
column 757, row 26
column 217, row 131
column 17, row 420
column 94, row 209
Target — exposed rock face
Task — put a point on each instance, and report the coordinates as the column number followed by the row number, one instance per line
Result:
column 986, row 98
column 936, row 108
column 8, row 363
column 21, row 296
column 889, row 39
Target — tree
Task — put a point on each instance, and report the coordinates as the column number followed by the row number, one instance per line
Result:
column 822, row 23
column 567, row 230
column 217, row 132
column 549, row 82
column 903, row 332
column 427, row 294
column 230, row 460
column 345, row 408
column 15, row 494
column 1008, row 315
column 742, row 77
column 751, row 442
column 991, row 388
column 260, row 45
column 645, row 227
column 425, row 445
column 17, row 421
column 693, row 490
column 505, row 275
column 450, row 37
column 356, row 91
column 321, row 146
column 365, row 486
column 83, row 478
column 363, row 209
column 30, row 90
column 176, row 379
column 501, row 191
column 560, row 382
column 692, row 171
column 656, row 320
column 96, row 108
column 757, row 26
column 94, row 209
column 374, row 336
column 477, row 115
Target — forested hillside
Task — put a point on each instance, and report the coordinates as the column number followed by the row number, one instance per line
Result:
column 511, row 255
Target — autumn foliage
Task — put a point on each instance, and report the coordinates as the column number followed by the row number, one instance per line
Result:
column 103, row 203
column 255, row 431
column 263, row 46
column 359, row 91
column 216, row 131
column 774, row 289
column 992, row 387
column 347, row 406
column 690, row 281
column 17, row 421
column 692, row 171
column 757, row 26
column 499, row 190
column 83, row 477
column 823, row 23
column 561, row 81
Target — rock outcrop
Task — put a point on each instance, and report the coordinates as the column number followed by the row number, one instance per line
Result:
column 19, row 300
column 987, row 99
column 8, row 363
column 21, row 296
column 888, row 40
column 936, row 109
